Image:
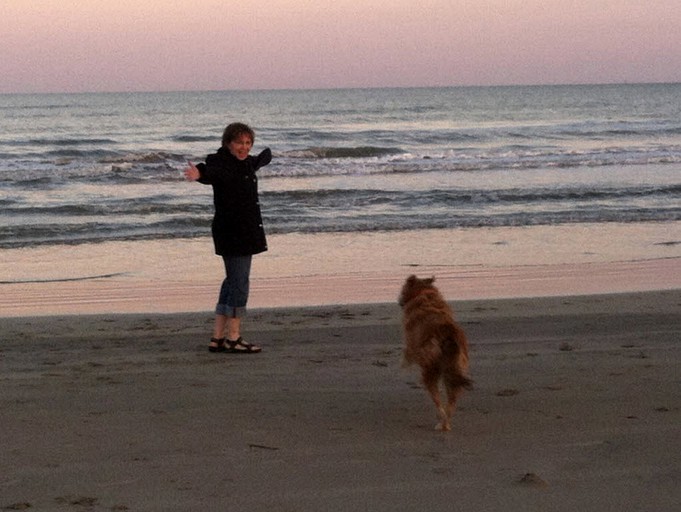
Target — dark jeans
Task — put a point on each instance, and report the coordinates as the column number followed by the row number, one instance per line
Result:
column 234, row 289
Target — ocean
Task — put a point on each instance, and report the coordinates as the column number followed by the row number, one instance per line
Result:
column 496, row 191
column 92, row 168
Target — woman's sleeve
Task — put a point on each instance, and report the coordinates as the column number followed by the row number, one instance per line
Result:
column 210, row 172
column 262, row 159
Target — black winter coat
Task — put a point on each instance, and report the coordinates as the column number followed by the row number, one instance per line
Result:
column 237, row 224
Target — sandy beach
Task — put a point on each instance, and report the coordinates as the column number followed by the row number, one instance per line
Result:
column 576, row 406
column 183, row 275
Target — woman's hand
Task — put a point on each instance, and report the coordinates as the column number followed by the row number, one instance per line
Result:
column 192, row 172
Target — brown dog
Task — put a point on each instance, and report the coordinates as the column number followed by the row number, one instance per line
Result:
column 435, row 342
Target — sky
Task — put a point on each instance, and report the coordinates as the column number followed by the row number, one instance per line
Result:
column 170, row 45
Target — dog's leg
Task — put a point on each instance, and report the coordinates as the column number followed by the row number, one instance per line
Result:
column 431, row 378
column 452, row 396
column 455, row 383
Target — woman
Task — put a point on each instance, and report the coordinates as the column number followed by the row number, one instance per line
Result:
column 237, row 228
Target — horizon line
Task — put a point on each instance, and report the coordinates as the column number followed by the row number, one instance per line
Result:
column 341, row 88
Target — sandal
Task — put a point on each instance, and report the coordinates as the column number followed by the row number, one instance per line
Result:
column 241, row 347
column 219, row 345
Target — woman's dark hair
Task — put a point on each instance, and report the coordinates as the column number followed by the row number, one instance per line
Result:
column 236, row 130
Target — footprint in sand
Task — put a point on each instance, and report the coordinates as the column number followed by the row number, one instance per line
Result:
column 508, row 392
column 84, row 501
column 17, row 506
column 533, row 480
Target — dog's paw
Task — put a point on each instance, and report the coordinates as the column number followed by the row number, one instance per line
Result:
column 443, row 427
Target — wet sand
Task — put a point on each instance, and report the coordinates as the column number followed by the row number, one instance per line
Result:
column 576, row 406
column 183, row 275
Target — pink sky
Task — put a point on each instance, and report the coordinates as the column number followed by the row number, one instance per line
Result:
column 157, row 45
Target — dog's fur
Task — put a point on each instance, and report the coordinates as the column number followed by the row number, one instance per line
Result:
column 435, row 342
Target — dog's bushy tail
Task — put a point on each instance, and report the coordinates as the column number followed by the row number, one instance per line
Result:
column 455, row 355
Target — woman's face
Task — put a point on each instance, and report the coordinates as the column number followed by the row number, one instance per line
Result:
column 241, row 146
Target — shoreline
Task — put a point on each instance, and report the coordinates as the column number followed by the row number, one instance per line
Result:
column 359, row 314
column 171, row 276
column 575, row 404
column 129, row 295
